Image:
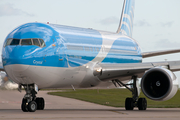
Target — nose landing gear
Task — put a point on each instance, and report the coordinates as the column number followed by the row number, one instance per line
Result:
column 31, row 103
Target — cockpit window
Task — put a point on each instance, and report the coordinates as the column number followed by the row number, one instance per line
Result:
column 12, row 41
column 42, row 43
column 26, row 42
column 15, row 42
column 8, row 42
column 34, row 41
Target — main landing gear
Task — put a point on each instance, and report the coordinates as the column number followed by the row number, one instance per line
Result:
column 31, row 103
column 135, row 101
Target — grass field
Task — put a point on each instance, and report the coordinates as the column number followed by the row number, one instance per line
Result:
column 114, row 97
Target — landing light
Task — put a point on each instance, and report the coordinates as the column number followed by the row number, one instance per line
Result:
column 98, row 70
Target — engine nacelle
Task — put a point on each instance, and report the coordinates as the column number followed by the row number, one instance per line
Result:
column 159, row 84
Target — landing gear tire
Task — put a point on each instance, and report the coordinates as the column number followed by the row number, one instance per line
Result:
column 30, row 102
column 40, row 103
column 129, row 104
column 135, row 101
column 142, row 104
column 24, row 105
column 32, row 106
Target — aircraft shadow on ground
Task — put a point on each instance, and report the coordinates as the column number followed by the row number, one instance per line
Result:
column 122, row 110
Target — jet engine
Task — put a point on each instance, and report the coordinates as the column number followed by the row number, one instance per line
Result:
column 159, row 84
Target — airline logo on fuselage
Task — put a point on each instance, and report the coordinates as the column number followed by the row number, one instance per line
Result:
column 37, row 62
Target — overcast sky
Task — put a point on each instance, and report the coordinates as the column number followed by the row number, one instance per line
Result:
column 156, row 22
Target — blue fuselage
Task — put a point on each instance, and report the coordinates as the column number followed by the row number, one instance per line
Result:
column 68, row 47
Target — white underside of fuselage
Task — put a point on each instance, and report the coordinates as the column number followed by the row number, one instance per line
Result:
column 52, row 77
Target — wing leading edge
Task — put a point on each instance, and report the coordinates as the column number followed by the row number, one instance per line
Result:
column 157, row 53
column 122, row 72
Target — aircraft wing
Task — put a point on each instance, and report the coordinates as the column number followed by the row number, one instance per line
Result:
column 156, row 53
column 125, row 71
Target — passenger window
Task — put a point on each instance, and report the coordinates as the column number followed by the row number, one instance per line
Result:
column 36, row 42
column 26, row 42
column 42, row 43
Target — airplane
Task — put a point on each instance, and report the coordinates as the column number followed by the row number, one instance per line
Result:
column 38, row 55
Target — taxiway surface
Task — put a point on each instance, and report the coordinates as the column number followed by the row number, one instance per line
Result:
column 66, row 109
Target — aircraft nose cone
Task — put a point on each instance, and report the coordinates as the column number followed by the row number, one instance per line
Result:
column 17, row 55
column 15, row 58
column 17, row 73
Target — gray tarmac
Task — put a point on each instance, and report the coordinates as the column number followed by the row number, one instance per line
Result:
column 70, row 109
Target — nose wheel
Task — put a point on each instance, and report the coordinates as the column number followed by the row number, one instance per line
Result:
column 24, row 105
column 32, row 106
column 40, row 103
column 31, row 103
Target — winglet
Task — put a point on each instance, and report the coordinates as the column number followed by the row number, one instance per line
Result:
column 127, row 16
